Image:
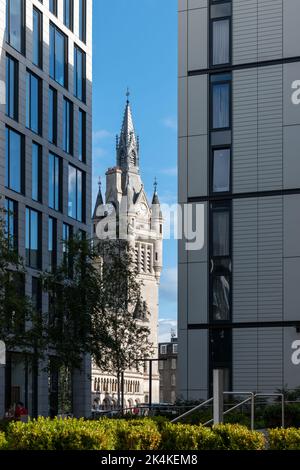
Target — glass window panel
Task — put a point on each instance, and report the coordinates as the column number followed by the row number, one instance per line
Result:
column 11, row 88
column 79, row 196
column 52, row 52
column 37, row 42
column 54, row 182
column 32, row 102
column 220, row 11
column 68, row 127
column 52, row 243
column 81, row 135
column 72, row 192
column 59, row 58
column 15, row 23
column 79, row 73
column 10, row 223
column 36, row 173
column 82, row 20
column 221, row 298
column 221, row 233
column 221, row 41
column 53, row 6
column 57, row 183
column 52, row 121
column 221, row 170
column 68, row 14
column 221, row 105
column 57, row 55
column 13, row 171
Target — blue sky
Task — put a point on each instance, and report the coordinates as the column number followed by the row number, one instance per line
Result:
column 135, row 45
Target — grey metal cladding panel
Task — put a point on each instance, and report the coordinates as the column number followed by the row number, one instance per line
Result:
column 270, row 258
column 197, row 166
column 245, row 130
column 197, row 359
column 291, row 288
column 244, row 31
column 291, row 162
column 182, row 360
column 291, row 30
column 270, row 128
column 270, row 29
column 270, row 359
column 244, row 344
column 197, row 39
column 197, row 293
column 245, row 260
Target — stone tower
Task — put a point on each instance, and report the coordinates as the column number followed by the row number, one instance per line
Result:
column 144, row 230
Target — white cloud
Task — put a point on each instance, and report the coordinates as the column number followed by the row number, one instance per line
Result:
column 166, row 326
column 99, row 152
column 169, row 171
column 170, row 122
column 101, row 134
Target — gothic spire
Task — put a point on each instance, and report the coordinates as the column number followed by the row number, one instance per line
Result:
column 127, row 142
column 155, row 199
column 99, row 200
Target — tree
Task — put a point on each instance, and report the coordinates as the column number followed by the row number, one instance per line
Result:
column 21, row 326
column 95, row 295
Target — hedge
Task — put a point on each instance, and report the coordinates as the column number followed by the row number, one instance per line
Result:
column 3, row 441
column 284, row 439
column 140, row 434
column 222, row 437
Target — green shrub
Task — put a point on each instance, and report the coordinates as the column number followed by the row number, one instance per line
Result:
column 236, row 437
column 179, row 436
column 284, row 439
column 3, row 441
column 137, row 435
column 67, row 434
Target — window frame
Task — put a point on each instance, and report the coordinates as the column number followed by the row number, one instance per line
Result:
column 29, row 76
column 222, row 206
column 83, row 178
column 68, row 130
column 213, row 149
column 211, row 39
column 15, row 115
column 66, row 49
column 14, row 214
column 39, row 173
column 213, row 83
column 83, row 72
column 40, row 38
column 57, row 207
column 70, row 26
column 52, row 254
column 54, row 116
column 22, row 29
column 8, row 130
column 29, row 264
column 82, row 21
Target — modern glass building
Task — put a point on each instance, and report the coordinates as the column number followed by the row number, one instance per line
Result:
column 45, row 162
column 239, row 145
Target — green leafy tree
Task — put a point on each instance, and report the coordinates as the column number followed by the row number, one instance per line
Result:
column 21, row 325
column 94, row 300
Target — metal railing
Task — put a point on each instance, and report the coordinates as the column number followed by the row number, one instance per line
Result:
column 251, row 397
column 238, row 405
column 282, row 403
column 187, row 413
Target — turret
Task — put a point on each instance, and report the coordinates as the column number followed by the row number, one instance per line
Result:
column 157, row 226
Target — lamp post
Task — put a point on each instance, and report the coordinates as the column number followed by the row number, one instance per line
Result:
column 150, row 376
